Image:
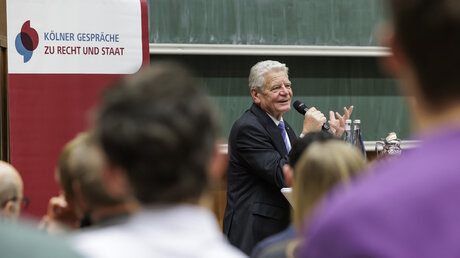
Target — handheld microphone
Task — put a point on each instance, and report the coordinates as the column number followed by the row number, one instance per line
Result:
column 302, row 109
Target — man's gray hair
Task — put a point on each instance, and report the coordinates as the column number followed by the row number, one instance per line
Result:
column 258, row 71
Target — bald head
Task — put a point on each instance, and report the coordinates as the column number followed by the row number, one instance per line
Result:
column 11, row 188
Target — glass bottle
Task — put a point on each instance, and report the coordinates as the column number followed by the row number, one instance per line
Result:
column 348, row 134
column 357, row 137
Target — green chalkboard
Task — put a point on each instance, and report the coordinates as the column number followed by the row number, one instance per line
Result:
column 327, row 83
column 265, row 22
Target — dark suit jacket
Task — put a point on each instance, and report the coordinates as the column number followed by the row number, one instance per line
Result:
column 256, row 208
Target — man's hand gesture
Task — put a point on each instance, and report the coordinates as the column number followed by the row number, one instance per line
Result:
column 338, row 124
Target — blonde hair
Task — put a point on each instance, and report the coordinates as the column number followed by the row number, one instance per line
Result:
column 322, row 166
column 82, row 161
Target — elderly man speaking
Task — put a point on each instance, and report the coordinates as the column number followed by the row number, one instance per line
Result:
column 258, row 146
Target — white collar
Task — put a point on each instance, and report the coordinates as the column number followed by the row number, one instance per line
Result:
column 276, row 121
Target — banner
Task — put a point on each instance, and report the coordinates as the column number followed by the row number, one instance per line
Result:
column 61, row 55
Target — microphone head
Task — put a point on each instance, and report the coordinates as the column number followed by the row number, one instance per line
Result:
column 297, row 104
column 300, row 107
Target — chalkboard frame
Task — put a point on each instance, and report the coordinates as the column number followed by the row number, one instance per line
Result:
column 267, row 50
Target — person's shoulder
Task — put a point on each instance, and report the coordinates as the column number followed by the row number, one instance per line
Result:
column 343, row 219
column 288, row 234
column 286, row 248
column 25, row 241
column 270, row 242
column 248, row 122
column 249, row 115
column 100, row 242
column 223, row 250
column 374, row 191
column 383, row 201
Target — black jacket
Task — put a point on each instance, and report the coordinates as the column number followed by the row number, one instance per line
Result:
column 256, row 208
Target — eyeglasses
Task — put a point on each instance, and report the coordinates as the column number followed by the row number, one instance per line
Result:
column 24, row 202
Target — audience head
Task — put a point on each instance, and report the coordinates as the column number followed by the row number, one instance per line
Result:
column 158, row 128
column 299, row 146
column 425, row 40
column 323, row 165
column 11, row 192
column 79, row 172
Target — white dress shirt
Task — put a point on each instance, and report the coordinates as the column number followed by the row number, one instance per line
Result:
column 167, row 231
column 277, row 122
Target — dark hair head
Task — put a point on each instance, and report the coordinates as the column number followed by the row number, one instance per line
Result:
column 301, row 144
column 429, row 34
column 158, row 126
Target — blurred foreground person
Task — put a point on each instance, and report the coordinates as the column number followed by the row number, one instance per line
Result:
column 158, row 132
column 408, row 207
column 321, row 163
column 11, row 192
column 84, row 201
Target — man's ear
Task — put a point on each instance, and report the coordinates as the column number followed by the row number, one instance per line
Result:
column 79, row 202
column 288, row 174
column 255, row 96
column 115, row 181
column 396, row 61
column 218, row 163
column 10, row 210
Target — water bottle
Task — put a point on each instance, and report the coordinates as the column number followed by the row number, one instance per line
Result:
column 357, row 138
column 348, row 134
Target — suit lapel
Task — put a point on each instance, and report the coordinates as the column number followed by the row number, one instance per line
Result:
column 290, row 132
column 273, row 130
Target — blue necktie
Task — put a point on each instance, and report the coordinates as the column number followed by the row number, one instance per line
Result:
column 283, row 133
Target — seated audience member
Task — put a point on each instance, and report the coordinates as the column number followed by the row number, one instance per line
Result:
column 20, row 240
column 11, row 192
column 84, row 201
column 408, row 207
column 158, row 132
column 324, row 163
